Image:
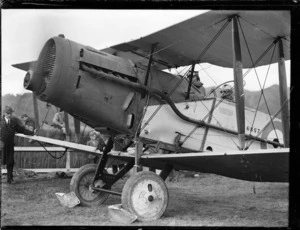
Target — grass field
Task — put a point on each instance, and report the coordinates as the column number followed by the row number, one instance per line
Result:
column 207, row 200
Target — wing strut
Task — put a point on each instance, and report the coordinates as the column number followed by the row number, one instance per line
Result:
column 149, row 65
column 238, row 83
column 139, row 144
column 148, row 68
column 283, row 95
column 190, row 82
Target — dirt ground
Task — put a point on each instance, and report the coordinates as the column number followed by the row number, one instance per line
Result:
column 206, row 200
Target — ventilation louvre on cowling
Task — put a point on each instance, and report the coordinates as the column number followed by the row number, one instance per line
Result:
column 46, row 64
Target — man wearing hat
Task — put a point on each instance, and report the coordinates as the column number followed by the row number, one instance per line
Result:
column 9, row 126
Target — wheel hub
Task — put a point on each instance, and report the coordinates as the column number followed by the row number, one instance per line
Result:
column 150, row 198
column 81, row 185
column 145, row 195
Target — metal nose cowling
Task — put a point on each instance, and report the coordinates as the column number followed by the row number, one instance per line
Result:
column 39, row 78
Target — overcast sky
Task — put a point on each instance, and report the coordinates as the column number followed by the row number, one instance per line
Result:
column 24, row 32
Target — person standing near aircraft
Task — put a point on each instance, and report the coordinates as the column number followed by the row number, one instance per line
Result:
column 9, row 126
column 58, row 122
column 93, row 142
column 28, row 122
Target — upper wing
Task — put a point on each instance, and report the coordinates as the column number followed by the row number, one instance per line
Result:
column 182, row 44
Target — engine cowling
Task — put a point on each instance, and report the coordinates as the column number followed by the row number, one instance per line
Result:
column 58, row 78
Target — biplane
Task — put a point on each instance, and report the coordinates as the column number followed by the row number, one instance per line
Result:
column 174, row 124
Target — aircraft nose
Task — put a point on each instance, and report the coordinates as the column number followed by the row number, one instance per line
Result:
column 31, row 82
column 40, row 75
column 27, row 81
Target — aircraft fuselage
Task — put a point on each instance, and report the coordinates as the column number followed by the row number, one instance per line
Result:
column 103, row 90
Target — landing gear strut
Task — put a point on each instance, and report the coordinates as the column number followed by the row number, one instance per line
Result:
column 92, row 183
column 81, row 185
column 144, row 194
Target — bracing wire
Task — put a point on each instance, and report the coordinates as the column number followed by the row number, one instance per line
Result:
column 255, row 26
column 210, row 113
column 260, row 57
column 207, row 74
column 253, row 65
column 274, row 116
column 262, row 90
column 213, row 40
column 160, row 96
column 148, row 55
column 248, row 49
column 224, row 26
column 160, row 106
column 202, row 53
column 199, row 58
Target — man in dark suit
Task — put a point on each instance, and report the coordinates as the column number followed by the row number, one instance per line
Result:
column 9, row 126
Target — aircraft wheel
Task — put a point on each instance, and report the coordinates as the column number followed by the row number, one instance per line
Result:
column 145, row 194
column 80, row 185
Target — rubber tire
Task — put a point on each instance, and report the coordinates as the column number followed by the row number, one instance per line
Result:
column 87, row 170
column 130, row 191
